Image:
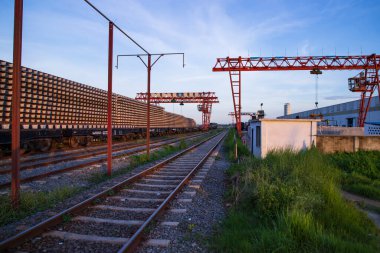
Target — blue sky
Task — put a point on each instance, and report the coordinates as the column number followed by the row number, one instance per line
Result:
column 68, row 39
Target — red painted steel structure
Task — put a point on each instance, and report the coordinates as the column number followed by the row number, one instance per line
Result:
column 365, row 82
column 204, row 99
column 205, row 108
column 235, row 65
column 16, row 89
column 149, row 68
column 109, row 102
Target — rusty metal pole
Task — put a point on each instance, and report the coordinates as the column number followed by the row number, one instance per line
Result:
column 148, row 110
column 109, row 118
column 16, row 94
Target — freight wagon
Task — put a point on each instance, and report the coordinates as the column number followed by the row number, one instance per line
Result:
column 56, row 110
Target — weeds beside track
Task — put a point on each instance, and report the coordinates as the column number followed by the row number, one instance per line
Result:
column 291, row 202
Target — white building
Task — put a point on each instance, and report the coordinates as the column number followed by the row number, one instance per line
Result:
column 344, row 114
column 287, row 109
column 265, row 135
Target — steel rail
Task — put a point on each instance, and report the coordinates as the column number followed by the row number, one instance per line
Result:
column 58, row 218
column 133, row 242
column 80, row 166
column 76, row 156
column 95, row 146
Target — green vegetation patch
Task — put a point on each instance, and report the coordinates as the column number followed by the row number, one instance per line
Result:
column 291, row 202
column 33, row 202
column 230, row 142
column 361, row 172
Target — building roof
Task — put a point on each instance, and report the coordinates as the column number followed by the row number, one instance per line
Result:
column 291, row 120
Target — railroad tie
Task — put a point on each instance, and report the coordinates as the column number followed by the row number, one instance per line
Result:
column 109, row 221
column 88, row 238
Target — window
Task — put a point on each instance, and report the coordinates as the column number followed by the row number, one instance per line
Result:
column 258, row 136
column 350, row 122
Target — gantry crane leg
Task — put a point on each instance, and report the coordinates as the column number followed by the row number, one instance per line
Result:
column 206, row 115
column 366, row 96
column 235, row 79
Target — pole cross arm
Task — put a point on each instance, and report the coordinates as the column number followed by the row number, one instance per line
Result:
column 143, row 55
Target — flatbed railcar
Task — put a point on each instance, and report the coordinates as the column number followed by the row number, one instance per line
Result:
column 57, row 110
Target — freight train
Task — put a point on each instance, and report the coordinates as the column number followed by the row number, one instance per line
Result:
column 56, row 110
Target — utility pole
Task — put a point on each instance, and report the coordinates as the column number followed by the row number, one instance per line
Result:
column 111, row 26
column 148, row 66
column 16, row 94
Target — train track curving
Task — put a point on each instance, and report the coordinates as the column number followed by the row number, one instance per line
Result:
column 84, row 160
column 116, row 219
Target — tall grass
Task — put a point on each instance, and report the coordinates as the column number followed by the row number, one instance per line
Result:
column 229, row 144
column 361, row 172
column 291, row 202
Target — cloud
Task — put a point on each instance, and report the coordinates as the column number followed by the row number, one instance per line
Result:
column 70, row 39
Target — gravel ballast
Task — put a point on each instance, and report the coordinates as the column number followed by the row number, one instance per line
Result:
column 205, row 211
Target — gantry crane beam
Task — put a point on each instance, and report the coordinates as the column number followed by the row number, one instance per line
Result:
column 297, row 63
column 203, row 99
column 185, row 97
column 232, row 114
column 369, row 63
column 242, row 114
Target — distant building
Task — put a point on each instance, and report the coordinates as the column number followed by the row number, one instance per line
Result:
column 344, row 114
column 287, row 109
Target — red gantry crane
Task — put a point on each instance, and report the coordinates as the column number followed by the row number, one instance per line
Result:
column 203, row 99
column 366, row 82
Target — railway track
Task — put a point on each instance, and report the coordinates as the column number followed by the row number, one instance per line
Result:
column 86, row 160
column 33, row 156
column 39, row 161
column 116, row 219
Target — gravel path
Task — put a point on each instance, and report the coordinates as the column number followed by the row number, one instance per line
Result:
column 360, row 200
column 203, row 213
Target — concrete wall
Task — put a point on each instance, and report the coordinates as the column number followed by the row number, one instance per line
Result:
column 331, row 144
column 334, row 130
